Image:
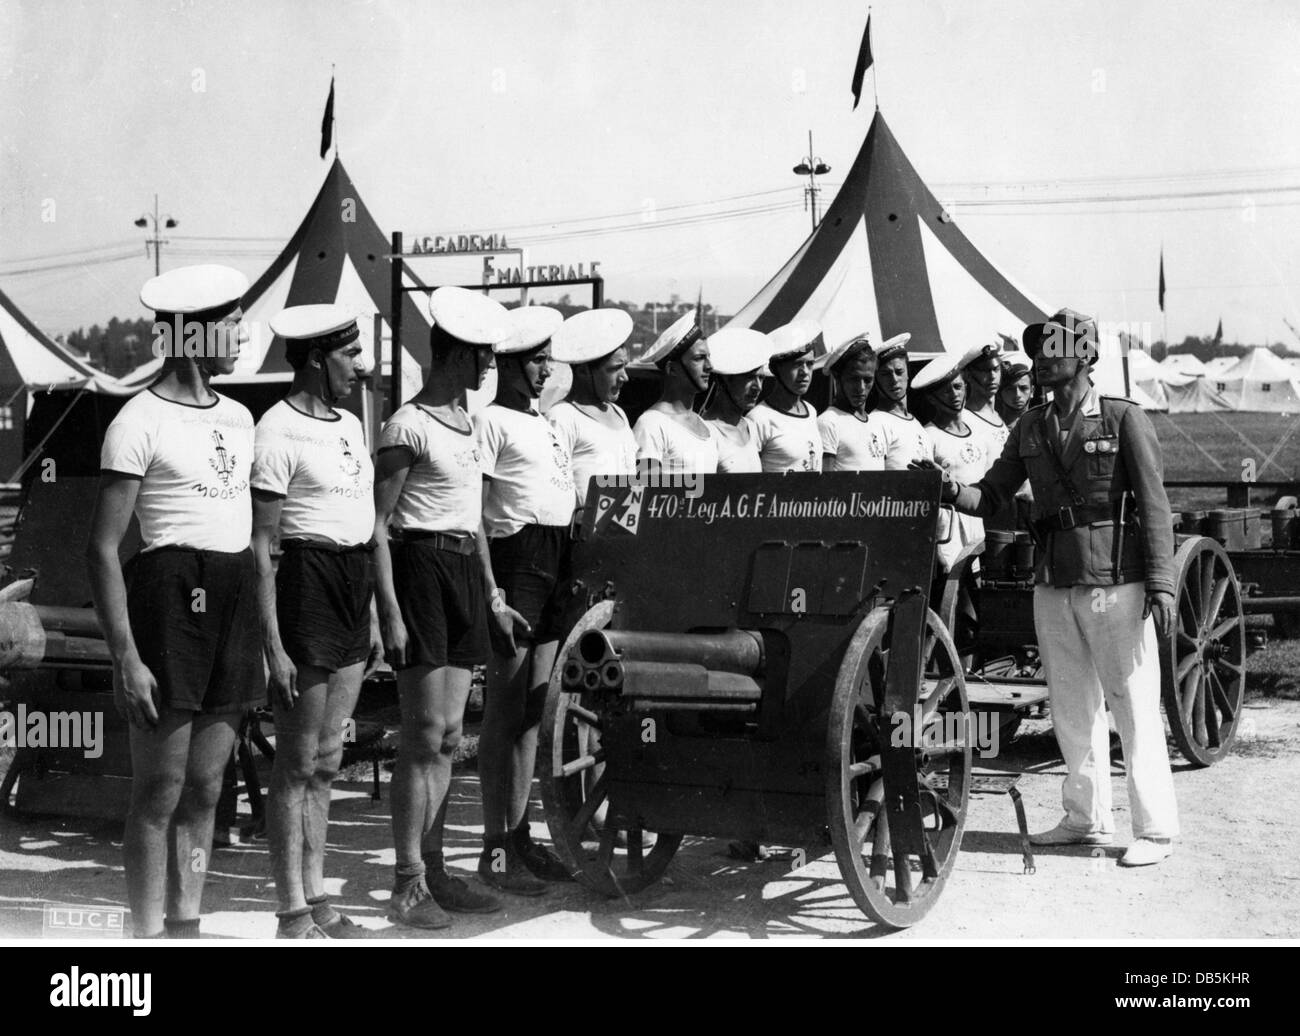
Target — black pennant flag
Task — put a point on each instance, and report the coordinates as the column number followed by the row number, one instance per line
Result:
column 864, row 63
column 327, row 123
column 1161, row 290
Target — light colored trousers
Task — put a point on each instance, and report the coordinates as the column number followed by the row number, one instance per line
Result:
column 1097, row 650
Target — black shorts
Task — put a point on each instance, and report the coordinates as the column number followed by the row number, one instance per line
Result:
column 322, row 604
column 440, row 594
column 532, row 568
column 195, row 621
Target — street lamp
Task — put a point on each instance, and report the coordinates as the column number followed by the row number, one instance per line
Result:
column 167, row 223
column 811, row 167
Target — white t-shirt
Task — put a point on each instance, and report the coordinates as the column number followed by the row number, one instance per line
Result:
column 322, row 469
column 992, row 427
column 965, row 458
column 443, row 491
column 737, row 445
column 853, row 445
column 906, row 440
column 787, row 443
column 675, row 446
column 594, row 448
column 193, row 463
column 529, row 469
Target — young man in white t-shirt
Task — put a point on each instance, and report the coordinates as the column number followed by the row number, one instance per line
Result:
column 313, row 487
column 528, row 499
column 433, row 584
column 964, row 455
column 181, row 620
column 788, row 436
column 670, row 435
column 591, row 426
column 905, row 437
column 739, row 360
column 982, row 369
column 851, row 439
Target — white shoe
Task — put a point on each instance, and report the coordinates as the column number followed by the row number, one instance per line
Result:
column 1146, row 851
column 1061, row 835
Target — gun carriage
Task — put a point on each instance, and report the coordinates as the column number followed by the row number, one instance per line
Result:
column 754, row 658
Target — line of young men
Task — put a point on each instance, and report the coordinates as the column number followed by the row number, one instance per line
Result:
column 735, row 432
column 452, row 542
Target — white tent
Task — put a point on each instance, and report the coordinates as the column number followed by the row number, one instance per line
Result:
column 1147, row 377
column 1187, row 394
column 1183, row 363
column 1260, row 381
column 1219, row 364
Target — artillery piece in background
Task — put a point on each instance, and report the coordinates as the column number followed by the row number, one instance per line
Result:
column 747, row 660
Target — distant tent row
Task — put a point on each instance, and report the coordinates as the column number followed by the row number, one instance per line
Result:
column 1260, row 381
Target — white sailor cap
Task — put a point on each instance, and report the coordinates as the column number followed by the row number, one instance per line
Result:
column 833, row 357
column 590, row 335
column 325, row 326
column 677, row 337
column 1016, row 360
column 194, row 289
column 533, row 326
column 739, row 350
column 469, row 316
column 793, row 339
column 977, row 352
column 937, row 371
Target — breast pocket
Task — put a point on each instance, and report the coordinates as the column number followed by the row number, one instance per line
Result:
column 1102, row 452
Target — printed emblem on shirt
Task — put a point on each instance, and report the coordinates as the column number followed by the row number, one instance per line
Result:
column 350, row 465
column 224, row 463
column 875, row 447
column 970, row 453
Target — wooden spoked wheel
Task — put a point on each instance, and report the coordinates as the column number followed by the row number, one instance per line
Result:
column 1203, row 664
column 614, row 857
column 892, row 886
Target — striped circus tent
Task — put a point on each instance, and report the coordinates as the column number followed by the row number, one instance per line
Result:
column 888, row 258
column 337, row 254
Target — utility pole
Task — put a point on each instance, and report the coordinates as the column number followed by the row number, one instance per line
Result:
column 811, row 167
column 156, row 241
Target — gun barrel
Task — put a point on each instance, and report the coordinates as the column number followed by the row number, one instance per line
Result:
column 732, row 651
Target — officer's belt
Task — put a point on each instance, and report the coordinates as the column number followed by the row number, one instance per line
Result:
column 1071, row 517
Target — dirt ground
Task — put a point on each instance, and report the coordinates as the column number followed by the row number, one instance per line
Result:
column 1235, row 873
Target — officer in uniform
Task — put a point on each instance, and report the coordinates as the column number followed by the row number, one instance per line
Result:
column 1104, row 584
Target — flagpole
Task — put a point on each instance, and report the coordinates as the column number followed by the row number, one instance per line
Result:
column 875, row 69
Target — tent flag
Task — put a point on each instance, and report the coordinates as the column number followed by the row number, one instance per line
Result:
column 327, row 123
column 864, row 62
column 1218, row 333
column 1161, row 290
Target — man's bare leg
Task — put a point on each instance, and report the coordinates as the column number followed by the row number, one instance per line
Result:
column 212, row 737
column 341, row 701
column 158, row 763
column 503, row 717
column 297, row 736
column 524, row 759
column 433, row 708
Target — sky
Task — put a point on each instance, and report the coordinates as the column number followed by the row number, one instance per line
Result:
column 678, row 121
